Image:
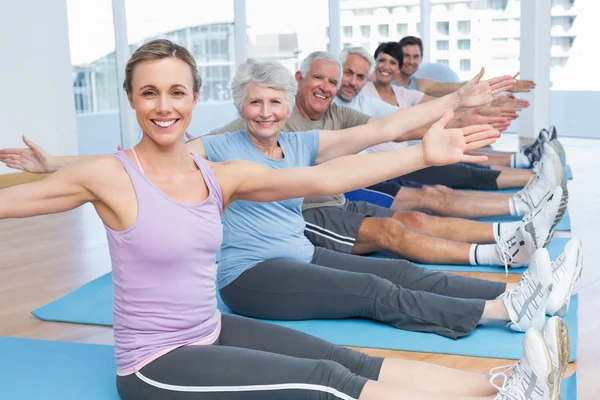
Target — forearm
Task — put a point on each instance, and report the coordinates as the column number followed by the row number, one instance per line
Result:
column 354, row 172
column 57, row 162
column 439, row 89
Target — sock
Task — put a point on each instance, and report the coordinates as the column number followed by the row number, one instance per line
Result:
column 485, row 254
column 517, row 206
column 519, row 160
column 505, row 228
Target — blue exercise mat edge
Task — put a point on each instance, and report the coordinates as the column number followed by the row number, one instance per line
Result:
column 97, row 296
column 75, row 371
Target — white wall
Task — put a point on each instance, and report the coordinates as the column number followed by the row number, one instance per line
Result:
column 35, row 77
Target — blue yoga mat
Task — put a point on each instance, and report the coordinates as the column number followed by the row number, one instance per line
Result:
column 92, row 304
column 41, row 369
column 563, row 225
column 555, row 248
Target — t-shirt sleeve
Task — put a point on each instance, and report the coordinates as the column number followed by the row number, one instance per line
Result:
column 216, row 146
column 306, row 146
column 234, row 126
column 348, row 117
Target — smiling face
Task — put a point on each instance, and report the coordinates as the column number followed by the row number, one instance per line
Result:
column 412, row 59
column 354, row 77
column 265, row 111
column 317, row 89
column 162, row 95
column 386, row 67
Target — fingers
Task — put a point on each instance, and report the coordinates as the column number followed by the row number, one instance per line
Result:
column 14, row 166
column 473, row 159
column 119, row 148
column 11, row 152
column 506, row 83
column 479, row 144
column 478, row 77
column 500, row 126
column 29, row 143
column 473, row 129
column 482, row 135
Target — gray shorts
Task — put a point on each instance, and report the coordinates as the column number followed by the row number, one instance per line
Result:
column 336, row 228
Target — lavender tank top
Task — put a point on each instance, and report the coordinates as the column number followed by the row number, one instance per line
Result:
column 164, row 269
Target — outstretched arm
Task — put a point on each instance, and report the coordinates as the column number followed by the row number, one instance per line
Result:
column 36, row 160
column 394, row 126
column 439, row 147
column 63, row 191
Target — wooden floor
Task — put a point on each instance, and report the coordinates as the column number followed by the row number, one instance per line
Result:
column 43, row 258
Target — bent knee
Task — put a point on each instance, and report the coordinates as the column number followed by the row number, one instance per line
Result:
column 412, row 219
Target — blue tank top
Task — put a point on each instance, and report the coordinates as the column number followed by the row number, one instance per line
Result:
column 255, row 232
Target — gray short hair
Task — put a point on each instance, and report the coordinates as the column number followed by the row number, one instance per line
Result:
column 271, row 74
column 321, row 55
column 361, row 51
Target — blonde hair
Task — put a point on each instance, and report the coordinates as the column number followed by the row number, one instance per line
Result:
column 156, row 50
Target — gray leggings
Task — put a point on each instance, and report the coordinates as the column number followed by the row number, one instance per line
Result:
column 457, row 176
column 337, row 285
column 254, row 360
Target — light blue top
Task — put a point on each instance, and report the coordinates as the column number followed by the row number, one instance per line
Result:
column 437, row 72
column 367, row 105
column 254, row 232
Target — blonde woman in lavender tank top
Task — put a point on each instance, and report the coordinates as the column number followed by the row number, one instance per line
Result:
column 162, row 207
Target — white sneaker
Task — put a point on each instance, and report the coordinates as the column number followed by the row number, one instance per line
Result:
column 540, row 223
column 516, row 248
column 550, row 155
column 531, row 378
column 556, row 336
column 526, row 304
column 566, row 272
column 547, row 175
column 560, row 150
column 553, row 134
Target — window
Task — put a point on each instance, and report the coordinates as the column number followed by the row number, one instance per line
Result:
column 384, row 30
column 445, row 62
column 464, row 27
column 464, row 44
column 562, row 42
column 92, row 48
column 442, row 45
column 347, row 45
column 443, row 28
column 558, row 62
column 287, row 37
column 465, row 65
column 402, row 29
column 363, row 12
column 347, row 31
column 210, row 40
column 365, row 31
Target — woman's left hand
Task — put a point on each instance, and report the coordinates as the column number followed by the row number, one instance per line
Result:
column 442, row 146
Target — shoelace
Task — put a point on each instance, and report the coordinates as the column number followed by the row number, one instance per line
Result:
column 507, row 391
column 505, row 255
column 520, row 195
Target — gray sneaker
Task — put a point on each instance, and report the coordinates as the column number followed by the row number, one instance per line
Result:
column 566, row 271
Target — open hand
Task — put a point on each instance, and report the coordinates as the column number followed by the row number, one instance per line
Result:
column 474, row 118
column 476, row 92
column 30, row 159
column 522, row 85
column 448, row 146
column 508, row 112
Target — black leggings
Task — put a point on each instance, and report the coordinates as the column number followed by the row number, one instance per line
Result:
column 254, row 360
column 337, row 285
column 457, row 176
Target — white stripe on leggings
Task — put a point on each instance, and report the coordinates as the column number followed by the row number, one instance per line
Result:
column 252, row 388
column 332, row 233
